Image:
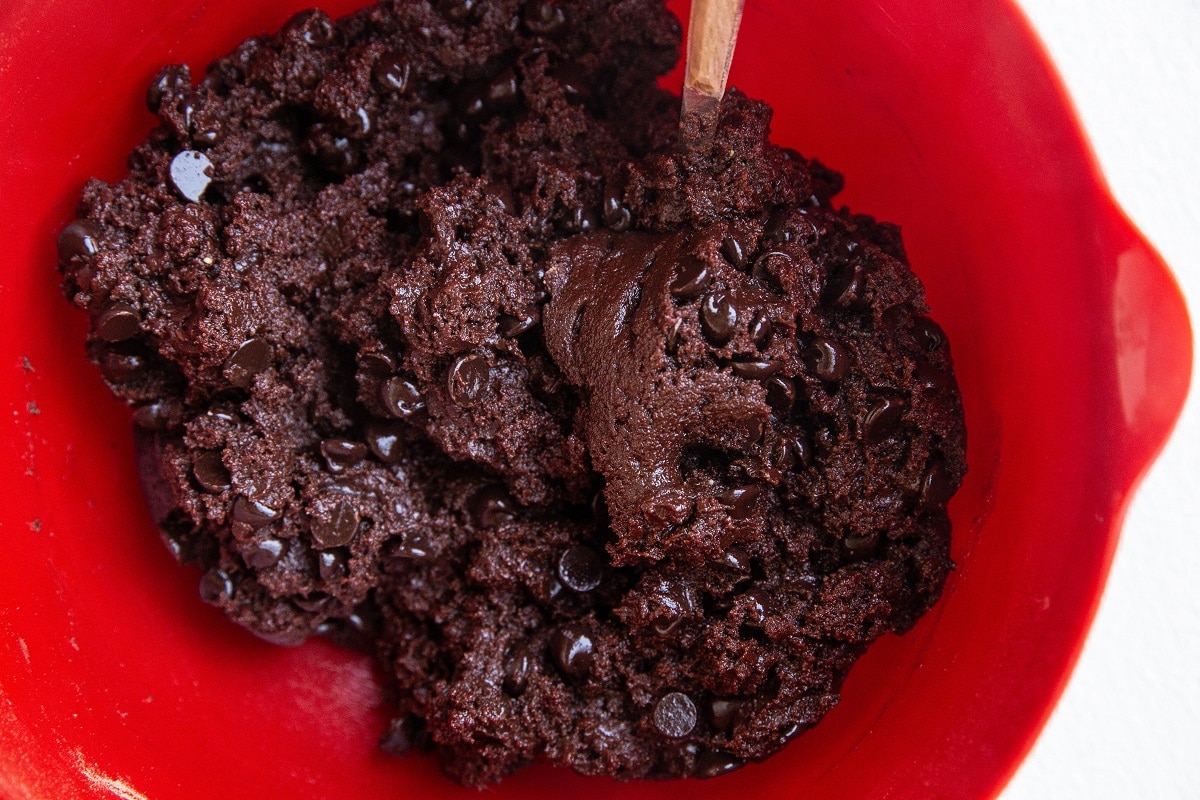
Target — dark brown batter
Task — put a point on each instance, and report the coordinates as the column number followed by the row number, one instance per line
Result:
column 616, row 456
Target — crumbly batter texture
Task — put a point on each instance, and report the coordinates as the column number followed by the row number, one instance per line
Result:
column 616, row 455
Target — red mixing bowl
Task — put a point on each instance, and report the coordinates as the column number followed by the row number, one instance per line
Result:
column 1072, row 347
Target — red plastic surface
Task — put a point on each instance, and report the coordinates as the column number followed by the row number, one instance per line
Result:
column 1073, row 351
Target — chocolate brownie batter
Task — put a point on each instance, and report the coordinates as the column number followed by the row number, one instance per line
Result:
column 616, row 455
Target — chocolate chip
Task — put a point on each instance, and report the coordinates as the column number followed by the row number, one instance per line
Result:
column 723, row 712
column 844, row 288
column 674, row 602
column 719, row 317
column 781, row 395
column 861, row 546
column 252, row 357
column 580, row 568
column 544, row 17
column 827, row 359
column 457, row 10
column 672, row 336
column 761, row 330
column 929, row 334
column 714, row 763
column 734, row 251
column 333, row 524
column 470, row 380
column 313, row 27
column 210, row 472
column 316, row 603
column 384, row 439
column 771, row 267
column 379, row 365
column 79, row 238
column 404, row 735
column 117, row 322
column 575, row 83
column 937, row 487
column 668, row 507
column 759, row 605
column 120, row 367
column 617, row 215
column 517, row 665
column 930, row 376
column 490, row 507
column 511, row 327
column 573, row 650
column 882, row 419
column 172, row 81
column 401, row 398
column 341, row 453
column 736, row 559
column 503, row 93
column 392, row 71
column 413, row 545
column 741, row 501
column 191, row 173
column 215, row 586
column 582, row 220
column 675, row 715
column 776, row 228
column 755, row 369
column 252, row 512
column 265, row 554
column 691, row 277
column 334, row 153
column 333, row 565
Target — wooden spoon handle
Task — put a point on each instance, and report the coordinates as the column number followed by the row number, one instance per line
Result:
column 712, row 34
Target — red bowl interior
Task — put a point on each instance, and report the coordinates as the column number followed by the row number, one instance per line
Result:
column 1072, row 347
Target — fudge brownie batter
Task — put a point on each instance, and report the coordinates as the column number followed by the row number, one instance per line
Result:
column 616, row 455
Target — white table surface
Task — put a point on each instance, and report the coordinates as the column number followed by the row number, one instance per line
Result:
column 1128, row 726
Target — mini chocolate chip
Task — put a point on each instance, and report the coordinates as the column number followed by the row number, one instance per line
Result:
column 400, row 397
column 734, row 251
column 210, row 472
column 719, row 317
column 740, row 501
column 573, row 650
column 827, row 359
column 503, row 93
column 333, row 525
column 379, row 365
column 265, row 554
column 929, row 334
column 511, row 327
column 341, row 453
column 215, row 586
column 78, row 238
column 385, row 441
column 191, row 173
column 117, row 322
column 392, row 71
column 544, row 17
column 736, row 559
column 781, row 395
column 714, row 763
column 756, row 370
column 251, row 358
column 517, row 665
column 761, row 329
column 490, row 507
column 691, row 276
column 333, row 565
column 882, row 419
column 723, row 712
column 171, row 81
column 252, row 512
column 470, row 380
column 580, row 568
column 937, row 487
column 860, row 546
column 404, row 735
column 675, row 715
column 617, row 215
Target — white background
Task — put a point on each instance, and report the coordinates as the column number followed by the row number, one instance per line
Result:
column 1128, row 726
